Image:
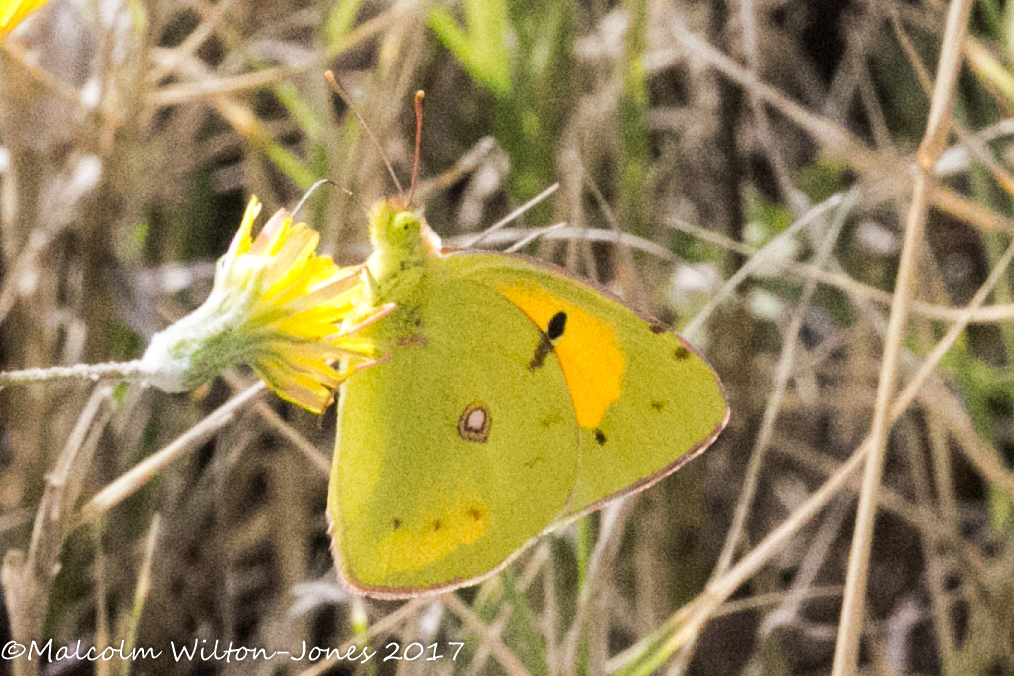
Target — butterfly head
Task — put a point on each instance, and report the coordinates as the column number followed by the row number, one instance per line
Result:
column 400, row 237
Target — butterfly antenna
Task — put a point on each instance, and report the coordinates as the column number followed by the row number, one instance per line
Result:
column 309, row 192
column 419, row 95
column 329, row 76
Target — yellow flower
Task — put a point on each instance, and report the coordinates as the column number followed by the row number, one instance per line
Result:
column 276, row 306
column 13, row 12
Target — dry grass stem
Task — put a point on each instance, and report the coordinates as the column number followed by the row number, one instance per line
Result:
column 828, row 218
column 934, row 142
column 130, row 482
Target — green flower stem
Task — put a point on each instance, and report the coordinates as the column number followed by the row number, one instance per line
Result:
column 633, row 114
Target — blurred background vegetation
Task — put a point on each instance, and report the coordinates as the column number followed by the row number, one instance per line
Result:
column 741, row 169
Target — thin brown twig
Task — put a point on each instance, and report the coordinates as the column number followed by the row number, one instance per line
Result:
column 762, row 257
column 284, row 429
column 774, row 404
column 930, row 541
column 853, row 287
column 689, row 620
column 751, row 47
column 835, row 140
column 507, row 659
column 935, row 141
column 191, row 91
column 27, row 578
column 131, row 481
column 611, row 531
column 386, row 624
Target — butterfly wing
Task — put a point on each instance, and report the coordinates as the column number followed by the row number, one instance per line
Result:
column 644, row 401
column 455, row 451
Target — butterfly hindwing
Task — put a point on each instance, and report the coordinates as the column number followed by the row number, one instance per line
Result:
column 457, row 449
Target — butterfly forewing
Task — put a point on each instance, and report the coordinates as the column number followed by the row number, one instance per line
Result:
column 644, row 401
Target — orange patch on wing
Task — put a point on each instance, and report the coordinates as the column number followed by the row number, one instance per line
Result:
column 588, row 351
column 413, row 545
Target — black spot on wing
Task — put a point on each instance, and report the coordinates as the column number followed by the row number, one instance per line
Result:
column 657, row 327
column 397, row 524
column 681, row 353
column 556, row 325
column 553, row 331
column 600, row 437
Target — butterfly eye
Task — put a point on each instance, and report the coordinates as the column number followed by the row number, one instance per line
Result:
column 404, row 226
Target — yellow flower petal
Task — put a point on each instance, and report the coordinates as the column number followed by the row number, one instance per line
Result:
column 276, row 306
column 241, row 241
column 13, row 12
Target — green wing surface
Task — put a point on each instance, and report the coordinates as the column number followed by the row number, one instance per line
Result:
column 645, row 402
column 453, row 453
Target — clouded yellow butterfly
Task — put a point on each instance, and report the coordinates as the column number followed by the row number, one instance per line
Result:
column 512, row 399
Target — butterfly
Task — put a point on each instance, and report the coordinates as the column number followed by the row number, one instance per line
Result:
column 512, row 399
